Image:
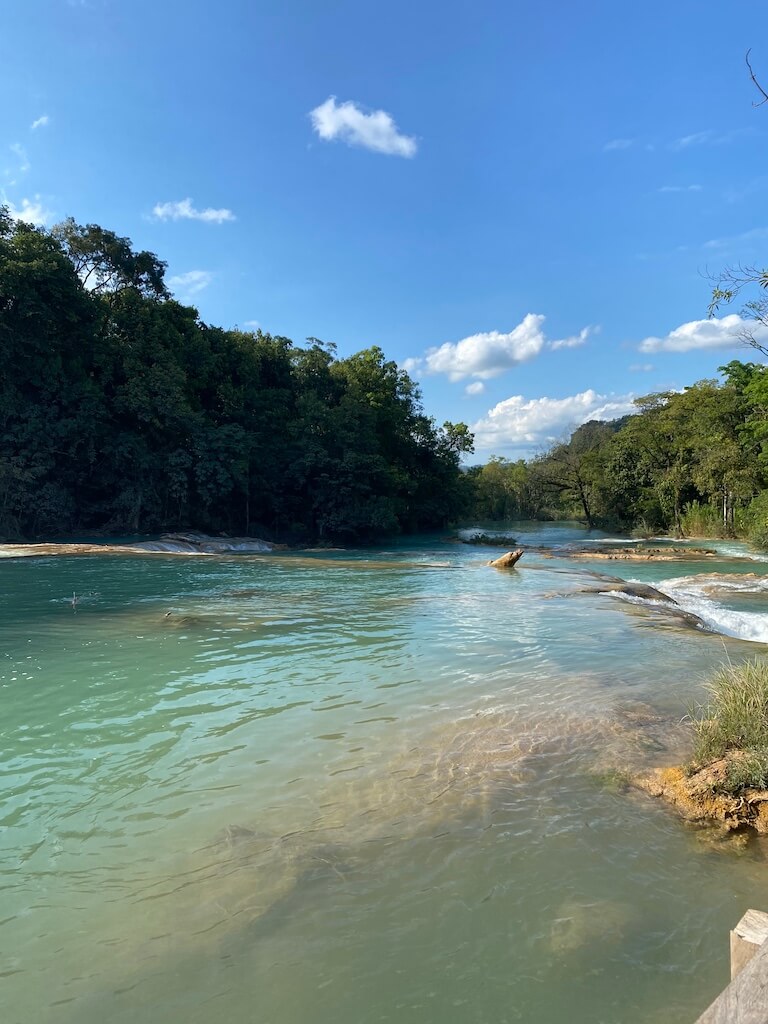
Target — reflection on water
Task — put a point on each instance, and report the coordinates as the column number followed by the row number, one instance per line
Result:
column 351, row 787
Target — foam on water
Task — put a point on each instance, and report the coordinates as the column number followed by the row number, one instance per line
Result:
column 692, row 594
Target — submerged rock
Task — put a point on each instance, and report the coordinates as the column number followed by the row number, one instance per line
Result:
column 614, row 585
column 579, row 924
column 507, row 561
column 641, row 592
column 634, row 552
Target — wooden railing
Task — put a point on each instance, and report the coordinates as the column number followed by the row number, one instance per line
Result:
column 745, row 1001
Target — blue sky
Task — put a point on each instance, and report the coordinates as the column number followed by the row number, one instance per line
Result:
column 464, row 184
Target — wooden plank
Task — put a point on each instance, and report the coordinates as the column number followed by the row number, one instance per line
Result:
column 746, row 938
column 745, row 1001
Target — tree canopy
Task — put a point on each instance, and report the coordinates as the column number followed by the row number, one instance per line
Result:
column 122, row 411
column 692, row 462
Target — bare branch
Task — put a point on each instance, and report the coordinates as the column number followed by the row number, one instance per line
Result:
column 759, row 87
column 747, row 337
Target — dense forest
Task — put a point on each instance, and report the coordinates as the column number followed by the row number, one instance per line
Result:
column 123, row 412
column 694, row 463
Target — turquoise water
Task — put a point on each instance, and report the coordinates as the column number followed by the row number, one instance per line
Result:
column 357, row 787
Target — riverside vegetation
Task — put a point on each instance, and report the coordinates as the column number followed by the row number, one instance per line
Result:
column 122, row 412
column 694, row 463
column 726, row 778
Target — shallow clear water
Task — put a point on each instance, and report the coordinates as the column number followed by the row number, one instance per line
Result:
column 357, row 787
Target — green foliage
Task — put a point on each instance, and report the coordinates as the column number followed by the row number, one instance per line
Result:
column 120, row 410
column 735, row 718
column 693, row 463
column 702, row 520
column 755, row 521
column 750, row 771
column 493, row 540
column 505, row 490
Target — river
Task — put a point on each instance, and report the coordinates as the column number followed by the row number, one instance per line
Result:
column 361, row 786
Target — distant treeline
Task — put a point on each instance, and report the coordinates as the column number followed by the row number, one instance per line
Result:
column 693, row 463
column 122, row 412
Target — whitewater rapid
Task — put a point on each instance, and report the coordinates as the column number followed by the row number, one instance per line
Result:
column 697, row 595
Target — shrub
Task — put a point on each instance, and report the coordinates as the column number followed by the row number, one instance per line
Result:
column 702, row 520
column 643, row 530
column 755, row 519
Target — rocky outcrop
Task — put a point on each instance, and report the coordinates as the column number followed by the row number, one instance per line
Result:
column 201, row 544
column 702, row 796
column 168, row 544
column 635, row 552
column 507, row 561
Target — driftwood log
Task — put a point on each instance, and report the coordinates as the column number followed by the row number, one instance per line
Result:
column 507, row 561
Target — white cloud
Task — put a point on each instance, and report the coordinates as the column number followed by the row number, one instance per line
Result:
column 191, row 283
column 488, row 354
column 475, row 388
column 575, row 341
column 348, row 123
column 413, row 366
column 491, row 353
column 41, row 122
column 31, row 211
column 252, row 325
column 618, row 144
column 21, row 154
column 520, row 424
column 641, row 367
column 184, row 210
column 717, row 333
column 679, row 188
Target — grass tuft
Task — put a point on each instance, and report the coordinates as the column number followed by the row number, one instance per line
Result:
column 734, row 724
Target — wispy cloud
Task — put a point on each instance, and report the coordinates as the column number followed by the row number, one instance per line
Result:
column 491, row 353
column 680, row 188
column 190, row 283
column 615, row 144
column 745, row 238
column 696, row 139
column 576, row 341
column 41, row 122
column 716, row 333
column 520, row 425
column 184, row 209
column 710, row 137
column 31, row 211
column 252, row 325
column 641, row 368
column 348, row 123
column 475, row 388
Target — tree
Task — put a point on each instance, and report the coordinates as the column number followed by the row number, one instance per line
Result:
column 106, row 263
column 573, row 469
